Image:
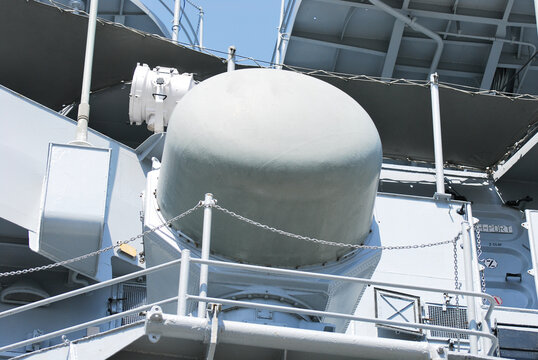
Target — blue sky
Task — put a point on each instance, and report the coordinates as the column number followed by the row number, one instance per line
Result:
column 250, row 25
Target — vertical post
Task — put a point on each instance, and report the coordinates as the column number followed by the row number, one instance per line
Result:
column 469, row 285
column 183, row 282
column 175, row 26
column 201, row 34
column 231, row 58
column 279, row 35
column 206, row 244
column 84, row 107
column 437, row 138
column 486, row 326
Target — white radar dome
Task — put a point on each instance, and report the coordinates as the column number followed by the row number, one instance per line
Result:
column 278, row 147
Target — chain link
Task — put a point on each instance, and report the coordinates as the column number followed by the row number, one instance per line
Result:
column 331, row 243
column 108, row 248
column 457, row 286
column 478, row 257
column 251, row 222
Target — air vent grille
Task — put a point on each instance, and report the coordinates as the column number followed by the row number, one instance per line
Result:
column 133, row 295
column 450, row 316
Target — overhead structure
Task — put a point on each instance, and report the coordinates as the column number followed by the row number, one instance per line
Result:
column 483, row 125
column 470, row 43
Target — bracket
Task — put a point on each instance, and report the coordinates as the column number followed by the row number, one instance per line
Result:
column 213, row 310
column 154, row 315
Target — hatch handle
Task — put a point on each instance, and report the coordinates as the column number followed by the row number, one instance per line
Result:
column 512, row 275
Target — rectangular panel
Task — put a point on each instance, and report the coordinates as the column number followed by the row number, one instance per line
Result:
column 73, row 205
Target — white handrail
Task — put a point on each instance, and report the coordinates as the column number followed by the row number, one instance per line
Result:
column 86, row 289
column 186, row 296
column 82, row 326
column 278, row 271
column 292, row 310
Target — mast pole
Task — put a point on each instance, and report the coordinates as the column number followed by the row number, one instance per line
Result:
column 84, row 106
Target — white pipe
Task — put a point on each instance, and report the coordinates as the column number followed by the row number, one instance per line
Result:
column 329, row 314
column 201, row 35
column 183, row 282
column 84, row 107
column 307, row 274
column 279, row 337
column 486, row 326
column 474, row 252
column 206, row 245
column 279, row 35
column 231, row 58
column 415, row 26
column 437, row 137
column 175, row 26
column 469, row 285
column 82, row 326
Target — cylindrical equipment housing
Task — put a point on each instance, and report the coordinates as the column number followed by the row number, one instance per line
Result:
column 279, row 147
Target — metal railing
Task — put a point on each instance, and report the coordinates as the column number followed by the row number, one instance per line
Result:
column 202, row 297
column 183, row 296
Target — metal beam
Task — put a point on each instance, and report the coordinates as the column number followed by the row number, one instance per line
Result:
column 394, row 46
column 424, row 70
column 450, row 42
column 496, row 49
column 491, row 66
column 413, row 24
column 503, row 168
column 449, row 23
column 337, row 45
column 517, row 66
column 349, row 15
column 440, row 15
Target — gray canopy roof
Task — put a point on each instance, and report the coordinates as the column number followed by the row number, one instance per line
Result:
column 43, row 51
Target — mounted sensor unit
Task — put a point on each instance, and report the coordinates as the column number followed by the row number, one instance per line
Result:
column 154, row 95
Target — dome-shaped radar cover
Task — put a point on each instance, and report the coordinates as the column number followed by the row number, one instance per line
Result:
column 279, row 147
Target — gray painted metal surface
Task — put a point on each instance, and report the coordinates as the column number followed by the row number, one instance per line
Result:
column 532, row 226
column 503, row 247
column 73, row 204
column 21, row 194
column 372, row 41
column 279, row 147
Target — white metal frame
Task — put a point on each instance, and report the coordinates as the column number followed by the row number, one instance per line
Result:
column 202, row 298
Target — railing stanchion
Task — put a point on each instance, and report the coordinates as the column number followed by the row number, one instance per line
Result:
column 183, row 282
column 469, row 286
column 206, row 244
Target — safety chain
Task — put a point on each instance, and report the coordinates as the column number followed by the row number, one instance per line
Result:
column 248, row 221
column 332, row 243
column 457, row 285
column 108, row 248
column 478, row 257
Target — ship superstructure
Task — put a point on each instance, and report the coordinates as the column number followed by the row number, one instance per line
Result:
column 342, row 203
